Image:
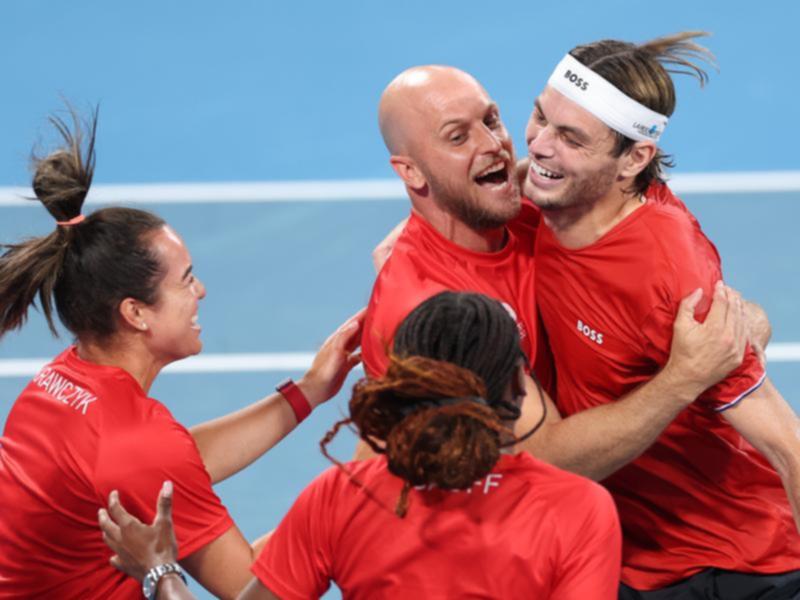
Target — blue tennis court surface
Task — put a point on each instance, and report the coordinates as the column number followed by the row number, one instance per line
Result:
column 258, row 91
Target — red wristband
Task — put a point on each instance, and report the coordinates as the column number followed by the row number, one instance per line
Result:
column 296, row 399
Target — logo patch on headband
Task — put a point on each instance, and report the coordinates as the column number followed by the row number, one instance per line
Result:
column 578, row 81
column 651, row 132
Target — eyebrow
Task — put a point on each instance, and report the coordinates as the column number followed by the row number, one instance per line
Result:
column 458, row 121
column 582, row 136
column 186, row 272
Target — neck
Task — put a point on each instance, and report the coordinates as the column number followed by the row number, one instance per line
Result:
column 461, row 234
column 584, row 224
column 124, row 355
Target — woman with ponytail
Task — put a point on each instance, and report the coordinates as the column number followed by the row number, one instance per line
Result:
column 121, row 282
column 448, row 509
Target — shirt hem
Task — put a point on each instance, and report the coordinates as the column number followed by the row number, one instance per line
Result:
column 743, row 395
column 205, row 538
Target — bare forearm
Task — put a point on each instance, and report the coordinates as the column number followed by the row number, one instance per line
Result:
column 598, row 441
column 230, row 443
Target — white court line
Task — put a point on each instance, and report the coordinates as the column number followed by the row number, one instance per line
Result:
column 205, row 363
column 369, row 189
column 283, row 361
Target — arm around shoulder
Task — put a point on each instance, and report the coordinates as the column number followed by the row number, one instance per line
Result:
column 598, row 441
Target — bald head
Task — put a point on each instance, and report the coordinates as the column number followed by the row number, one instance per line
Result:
column 417, row 93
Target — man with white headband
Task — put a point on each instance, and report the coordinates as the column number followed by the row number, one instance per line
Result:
column 703, row 513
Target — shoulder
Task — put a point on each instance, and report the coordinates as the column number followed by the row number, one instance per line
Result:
column 150, row 433
column 338, row 485
column 565, row 492
column 405, row 281
column 689, row 259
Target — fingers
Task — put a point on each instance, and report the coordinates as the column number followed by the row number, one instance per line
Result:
column 718, row 314
column 353, row 360
column 107, row 525
column 121, row 516
column 164, row 509
column 348, row 336
column 354, row 336
column 740, row 329
column 689, row 304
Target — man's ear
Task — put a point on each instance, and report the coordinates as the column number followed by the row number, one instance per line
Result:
column 407, row 170
column 132, row 314
column 635, row 160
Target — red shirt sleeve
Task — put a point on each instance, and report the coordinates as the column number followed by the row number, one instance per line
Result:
column 593, row 556
column 693, row 262
column 137, row 460
column 296, row 562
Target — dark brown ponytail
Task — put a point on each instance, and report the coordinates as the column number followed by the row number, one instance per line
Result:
column 85, row 268
column 31, row 268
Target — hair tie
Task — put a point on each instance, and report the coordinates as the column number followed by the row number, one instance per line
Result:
column 72, row 221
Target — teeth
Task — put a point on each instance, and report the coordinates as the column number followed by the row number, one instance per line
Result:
column 540, row 170
column 493, row 168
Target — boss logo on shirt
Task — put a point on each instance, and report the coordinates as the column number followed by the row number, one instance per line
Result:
column 592, row 334
column 578, row 81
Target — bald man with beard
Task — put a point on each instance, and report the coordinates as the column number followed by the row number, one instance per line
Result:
column 469, row 230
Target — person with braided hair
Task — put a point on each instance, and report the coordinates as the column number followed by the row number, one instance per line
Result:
column 447, row 509
column 122, row 282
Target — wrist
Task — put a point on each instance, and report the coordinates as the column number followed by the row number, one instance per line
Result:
column 159, row 576
column 312, row 390
column 297, row 399
column 678, row 386
column 171, row 586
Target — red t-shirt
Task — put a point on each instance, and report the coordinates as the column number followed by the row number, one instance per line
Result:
column 76, row 432
column 701, row 496
column 424, row 263
column 527, row 530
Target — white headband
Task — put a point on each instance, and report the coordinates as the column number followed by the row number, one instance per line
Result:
column 621, row 113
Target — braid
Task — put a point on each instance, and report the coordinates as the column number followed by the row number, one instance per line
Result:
column 469, row 330
column 439, row 413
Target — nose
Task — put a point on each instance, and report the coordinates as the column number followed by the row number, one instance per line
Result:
column 199, row 288
column 540, row 141
column 492, row 139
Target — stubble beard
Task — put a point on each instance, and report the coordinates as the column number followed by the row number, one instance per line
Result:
column 469, row 210
column 579, row 197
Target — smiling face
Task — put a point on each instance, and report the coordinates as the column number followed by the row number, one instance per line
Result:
column 571, row 165
column 459, row 147
column 172, row 326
